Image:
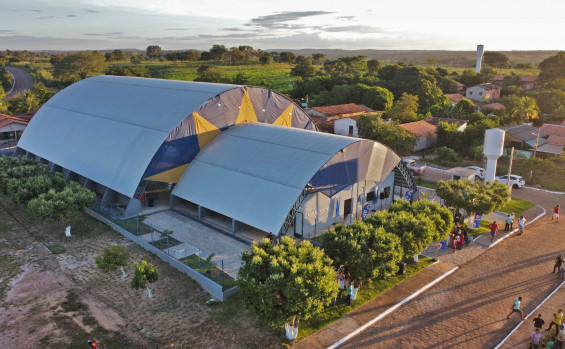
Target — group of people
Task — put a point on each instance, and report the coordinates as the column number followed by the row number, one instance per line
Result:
column 345, row 284
column 509, row 225
column 459, row 237
column 557, row 337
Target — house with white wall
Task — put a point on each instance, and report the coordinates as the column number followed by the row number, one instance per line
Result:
column 479, row 92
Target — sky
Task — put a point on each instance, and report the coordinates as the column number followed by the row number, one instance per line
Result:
column 290, row 24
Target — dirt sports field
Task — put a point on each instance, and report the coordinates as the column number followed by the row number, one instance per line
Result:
column 52, row 295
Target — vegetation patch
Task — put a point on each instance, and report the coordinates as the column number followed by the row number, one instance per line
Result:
column 210, row 270
column 517, row 206
column 56, row 248
column 164, row 243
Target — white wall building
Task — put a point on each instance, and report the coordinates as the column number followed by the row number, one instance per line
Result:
column 347, row 126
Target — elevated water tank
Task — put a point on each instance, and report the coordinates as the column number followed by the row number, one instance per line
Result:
column 493, row 149
column 480, row 49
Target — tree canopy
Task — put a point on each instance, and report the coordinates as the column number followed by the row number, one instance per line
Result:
column 365, row 252
column 280, row 282
column 473, row 196
column 112, row 258
column 552, row 71
column 496, row 59
column 77, row 66
column 403, row 110
column 392, row 135
column 153, row 51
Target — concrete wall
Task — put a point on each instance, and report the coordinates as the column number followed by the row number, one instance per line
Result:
column 425, row 142
column 341, row 127
column 318, row 212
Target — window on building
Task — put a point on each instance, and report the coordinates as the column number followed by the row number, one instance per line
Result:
column 480, row 93
column 387, row 192
column 470, row 92
column 371, row 196
column 350, row 130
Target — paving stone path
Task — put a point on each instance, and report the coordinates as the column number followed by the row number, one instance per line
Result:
column 468, row 309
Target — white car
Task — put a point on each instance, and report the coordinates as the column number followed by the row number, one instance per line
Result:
column 480, row 172
column 515, row 181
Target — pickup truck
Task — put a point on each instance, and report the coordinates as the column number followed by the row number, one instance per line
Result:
column 414, row 167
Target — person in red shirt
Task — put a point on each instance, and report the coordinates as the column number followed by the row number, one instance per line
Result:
column 556, row 210
column 493, row 230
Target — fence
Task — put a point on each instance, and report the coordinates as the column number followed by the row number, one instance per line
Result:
column 181, row 255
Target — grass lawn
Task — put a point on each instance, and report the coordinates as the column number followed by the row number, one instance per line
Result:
column 210, row 270
column 366, row 293
column 483, row 228
column 162, row 243
column 517, row 206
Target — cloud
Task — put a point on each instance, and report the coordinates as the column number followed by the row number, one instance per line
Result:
column 92, row 11
column 361, row 29
column 276, row 21
column 233, row 29
column 178, row 29
column 70, row 16
column 232, row 36
column 48, row 17
column 112, row 34
column 36, row 10
column 345, row 17
column 7, row 31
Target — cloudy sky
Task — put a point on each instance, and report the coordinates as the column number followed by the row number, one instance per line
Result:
column 275, row 24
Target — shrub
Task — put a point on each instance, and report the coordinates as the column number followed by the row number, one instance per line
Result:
column 112, row 258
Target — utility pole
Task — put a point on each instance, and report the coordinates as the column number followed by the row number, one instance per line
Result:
column 537, row 142
column 510, row 170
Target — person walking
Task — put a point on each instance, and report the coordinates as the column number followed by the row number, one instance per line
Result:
column 538, row 322
column 457, row 217
column 516, row 308
column 557, row 320
column 507, row 222
column 535, row 338
column 521, row 224
column 558, row 263
column 349, row 293
column 556, row 210
column 493, row 231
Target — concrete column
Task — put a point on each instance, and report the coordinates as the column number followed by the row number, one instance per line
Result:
column 133, row 208
column 173, row 200
column 109, row 196
column 203, row 212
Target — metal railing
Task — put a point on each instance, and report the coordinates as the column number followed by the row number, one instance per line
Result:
column 292, row 213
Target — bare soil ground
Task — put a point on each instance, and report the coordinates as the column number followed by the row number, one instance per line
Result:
column 52, row 295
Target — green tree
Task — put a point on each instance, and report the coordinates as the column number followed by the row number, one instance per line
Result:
column 24, row 189
column 144, row 273
column 416, row 231
column 346, row 65
column 210, row 74
column 153, row 51
column 445, row 155
column 473, row 196
column 304, row 69
column 440, row 216
column 496, row 59
column 552, row 71
column 266, row 58
column 319, row 58
column 287, row 57
column 365, row 252
column 373, row 66
column 391, row 135
column 388, row 72
column 550, row 101
column 404, row 109
column 112, row 258
column 77, row 66
column 285, row 282
column 62, row 206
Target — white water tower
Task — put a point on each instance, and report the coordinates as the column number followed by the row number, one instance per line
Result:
column 480, row 49
column 493, row 149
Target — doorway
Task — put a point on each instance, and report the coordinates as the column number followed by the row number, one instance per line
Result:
column 346, row 208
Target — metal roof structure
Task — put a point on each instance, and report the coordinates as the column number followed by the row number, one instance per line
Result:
column 255, row 172
column 118, row 130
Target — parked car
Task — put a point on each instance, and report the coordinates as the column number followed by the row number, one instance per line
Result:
column 515, row 181
column 480, row 174
column 413, row 166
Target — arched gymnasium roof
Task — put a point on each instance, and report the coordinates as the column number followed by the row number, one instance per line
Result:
column 119, row 130
column 255, row 172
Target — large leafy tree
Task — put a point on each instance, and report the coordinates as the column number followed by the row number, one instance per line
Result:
column 473, row 196
column 404, row 109
column 365, row 252
column 153, row 51
column 441, row 216
column 304, row 68
column 285, row 282
column 416, row 231
column 77, row 66
column 496, row 59
column 346, row 65
column 392, row 135
column 552, row 71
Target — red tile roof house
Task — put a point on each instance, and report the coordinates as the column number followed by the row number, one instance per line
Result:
column 11, row 128
column 497, row 80
column 324, row 117
column 424, row 132
column 454, row 98
column 528, row 82
column 479, row 92
column 434, row 120
column 555, row 142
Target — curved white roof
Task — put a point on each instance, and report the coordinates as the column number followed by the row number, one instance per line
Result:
column 254, row 172
column 108, row 128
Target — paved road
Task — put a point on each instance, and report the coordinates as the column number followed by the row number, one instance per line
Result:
column 23, row 81
column 469, row 308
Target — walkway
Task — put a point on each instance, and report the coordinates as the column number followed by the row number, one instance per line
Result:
column 23, row 81
column 468, row 309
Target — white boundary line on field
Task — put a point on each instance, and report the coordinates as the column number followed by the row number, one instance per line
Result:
column 391, row 309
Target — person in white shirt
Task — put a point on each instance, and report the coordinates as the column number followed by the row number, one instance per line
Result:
column 521, row 224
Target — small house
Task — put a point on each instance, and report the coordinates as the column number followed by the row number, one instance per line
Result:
column 462, row 173
column 324, row 117
column 424, row 132
column 461, row 124
column 480, row 92
column 455, row 98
